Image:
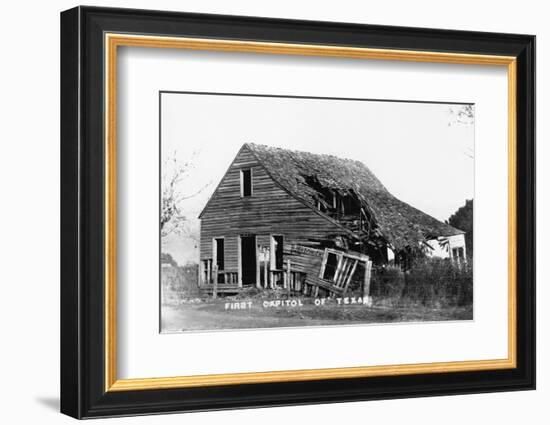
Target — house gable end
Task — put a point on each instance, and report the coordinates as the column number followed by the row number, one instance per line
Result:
column 230, row 184
column 243, row 159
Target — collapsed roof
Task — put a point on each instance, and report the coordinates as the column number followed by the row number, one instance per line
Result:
column 397, row 222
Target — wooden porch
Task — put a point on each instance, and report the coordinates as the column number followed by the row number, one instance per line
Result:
column 307, row 271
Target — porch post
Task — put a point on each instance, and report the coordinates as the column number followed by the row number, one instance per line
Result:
column 239, row 263
column 215, row 281
column 258, row 283
column 287, row 277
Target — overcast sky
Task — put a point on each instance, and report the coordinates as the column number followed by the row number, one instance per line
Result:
column 417, row 150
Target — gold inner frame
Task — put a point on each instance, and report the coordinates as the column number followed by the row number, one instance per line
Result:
column 113, row 41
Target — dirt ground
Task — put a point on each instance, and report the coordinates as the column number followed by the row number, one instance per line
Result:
column 225, row 313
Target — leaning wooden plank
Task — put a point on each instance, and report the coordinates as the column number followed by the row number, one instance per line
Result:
column 339, row 267
column 313, row 282
column 342, row 276
column 366, row 283
column 350, row 277
column 323, row 264
column 349, row 268
column 349, row 254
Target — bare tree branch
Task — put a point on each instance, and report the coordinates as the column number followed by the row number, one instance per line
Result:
column 462, row 115
column 172, row 220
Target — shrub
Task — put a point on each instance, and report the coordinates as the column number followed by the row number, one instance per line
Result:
column 439, row 282
column 432, row 282
column 179, row 283
column 387, row 283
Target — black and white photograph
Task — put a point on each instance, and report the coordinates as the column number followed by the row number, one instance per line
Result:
column 309, row 213
column 279, row 211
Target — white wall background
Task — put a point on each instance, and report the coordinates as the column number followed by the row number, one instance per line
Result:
column 29, row 219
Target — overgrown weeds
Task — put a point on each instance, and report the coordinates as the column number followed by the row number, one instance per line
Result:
column 431, row 282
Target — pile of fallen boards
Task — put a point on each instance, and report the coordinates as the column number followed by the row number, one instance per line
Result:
column 312, row 262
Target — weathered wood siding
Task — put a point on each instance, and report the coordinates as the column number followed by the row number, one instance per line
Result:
column 270, row 210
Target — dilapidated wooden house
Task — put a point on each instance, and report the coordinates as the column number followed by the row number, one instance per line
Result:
column 311, row 223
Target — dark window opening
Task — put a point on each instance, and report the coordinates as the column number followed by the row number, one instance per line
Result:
column 458, row 253
column 358, row 278
column 246, row 182
column 350, row 205
column 278, row 251
column 330, row 266
column 220, row 254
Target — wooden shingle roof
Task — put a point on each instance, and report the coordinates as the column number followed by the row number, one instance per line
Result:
column 398, row 222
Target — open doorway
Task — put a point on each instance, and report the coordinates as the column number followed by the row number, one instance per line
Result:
column 248, row 260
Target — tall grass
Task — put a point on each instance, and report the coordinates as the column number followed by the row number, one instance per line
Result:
column 387, row 284
column 179, row 283
column 432, row 282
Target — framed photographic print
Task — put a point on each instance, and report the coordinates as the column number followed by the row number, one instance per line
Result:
column 261, row 212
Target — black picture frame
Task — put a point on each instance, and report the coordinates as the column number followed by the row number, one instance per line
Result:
column 83, row 392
